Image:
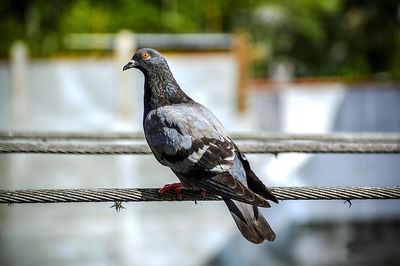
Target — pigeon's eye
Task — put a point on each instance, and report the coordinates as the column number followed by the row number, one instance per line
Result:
column 145, row 56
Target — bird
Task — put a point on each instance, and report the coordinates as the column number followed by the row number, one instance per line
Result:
column 186, row 137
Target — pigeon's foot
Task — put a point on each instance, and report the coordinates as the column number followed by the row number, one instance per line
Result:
column 175, row 187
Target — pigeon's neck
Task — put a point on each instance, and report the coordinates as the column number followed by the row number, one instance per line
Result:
column 161, row 89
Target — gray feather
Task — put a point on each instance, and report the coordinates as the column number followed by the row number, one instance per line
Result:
column 188, row 138
column 250, row 222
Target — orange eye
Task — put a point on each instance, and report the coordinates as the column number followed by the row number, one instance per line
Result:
column 145, row 55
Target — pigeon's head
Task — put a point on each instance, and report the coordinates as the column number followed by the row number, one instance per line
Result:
column 146, row 59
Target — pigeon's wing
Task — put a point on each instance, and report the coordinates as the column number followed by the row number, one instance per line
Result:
column 189, row 139
column 228, row 187
column 253, row 182
column 192, row 142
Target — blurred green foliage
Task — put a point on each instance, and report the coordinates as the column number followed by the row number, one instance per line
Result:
column 315, row 37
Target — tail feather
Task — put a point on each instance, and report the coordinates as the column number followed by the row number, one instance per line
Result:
column 250, row 222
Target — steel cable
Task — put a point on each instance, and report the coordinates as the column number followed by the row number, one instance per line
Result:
column 151, row 194
column 260, row 136
column 258, row 147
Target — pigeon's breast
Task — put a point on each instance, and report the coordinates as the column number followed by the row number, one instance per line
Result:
column 169, row 123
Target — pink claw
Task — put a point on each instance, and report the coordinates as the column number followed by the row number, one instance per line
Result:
column 175, row 187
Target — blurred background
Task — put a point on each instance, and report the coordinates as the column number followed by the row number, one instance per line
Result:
column 297, row 66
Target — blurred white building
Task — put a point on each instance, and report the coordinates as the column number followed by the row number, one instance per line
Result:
column 83, row 95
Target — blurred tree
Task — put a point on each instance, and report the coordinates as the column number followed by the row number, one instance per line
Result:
column 322, row 37
column 328, row 37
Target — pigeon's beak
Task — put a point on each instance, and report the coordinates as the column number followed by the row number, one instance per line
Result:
column 130, row 64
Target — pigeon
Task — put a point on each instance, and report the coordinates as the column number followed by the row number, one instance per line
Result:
column 186, row 137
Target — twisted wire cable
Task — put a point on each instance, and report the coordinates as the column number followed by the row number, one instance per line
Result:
column 259, row 147
column 151, row 194
column 261, row 136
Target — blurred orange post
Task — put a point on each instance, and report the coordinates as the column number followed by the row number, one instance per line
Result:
column 241, row 48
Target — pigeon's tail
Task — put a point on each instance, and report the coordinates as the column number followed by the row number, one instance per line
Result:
column 250, row 222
